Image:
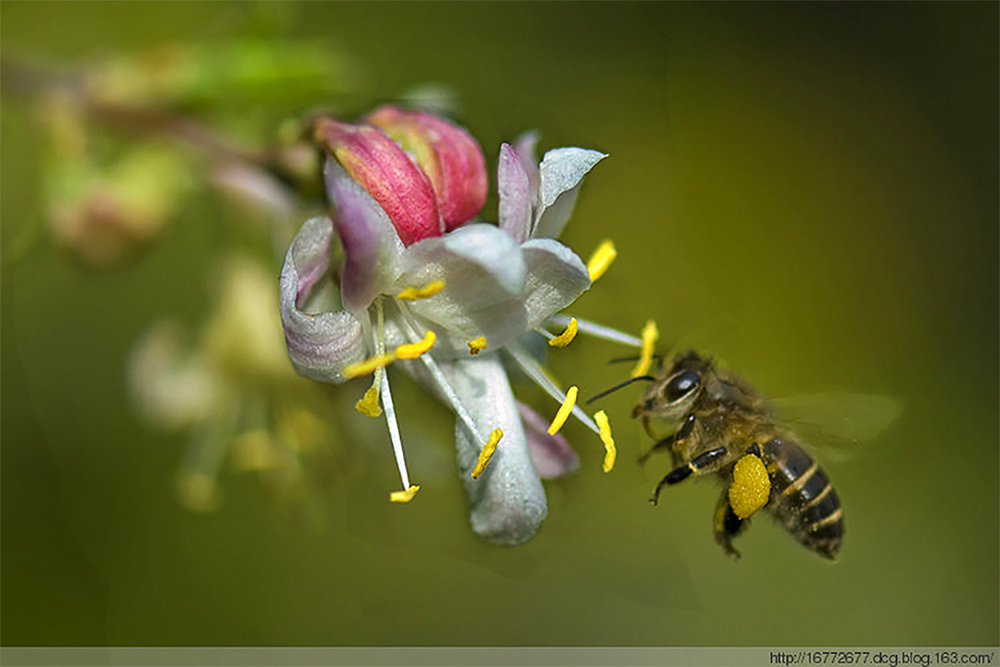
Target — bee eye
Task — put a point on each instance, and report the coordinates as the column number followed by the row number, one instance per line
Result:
column 681, row 385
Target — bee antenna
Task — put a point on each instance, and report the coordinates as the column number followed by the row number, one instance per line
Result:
column 620, row 385
column 635, row 357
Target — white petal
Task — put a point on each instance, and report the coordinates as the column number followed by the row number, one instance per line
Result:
column 319, row 345
column 484, row 275
column 507, row 502
column 556, row 278
column 561, row 171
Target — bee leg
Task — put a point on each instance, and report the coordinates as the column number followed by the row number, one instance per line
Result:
column 697, row 464
column 727, row 525
column 668, row 442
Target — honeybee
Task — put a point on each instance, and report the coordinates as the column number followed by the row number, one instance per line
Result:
column 724, row 427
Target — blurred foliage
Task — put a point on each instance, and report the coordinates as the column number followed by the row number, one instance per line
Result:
column 808, row 191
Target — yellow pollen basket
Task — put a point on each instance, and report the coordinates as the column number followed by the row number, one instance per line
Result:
column 368, row 365
column 566, row 337
column 368, row 405
column 564, row 410
column 426, row 292
column 477, row 345
column 610, row 453
column 650, row 334
column 487, row 453
column 751, row 486
column 601, row 260
column 414, row 350
column 404, row 496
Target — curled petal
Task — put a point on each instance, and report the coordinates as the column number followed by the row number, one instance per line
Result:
column 556, row 278
column 551, row 455
column 386, row 173
column 448, row 155
column 506, row 502
column 370, row 242
column 484, row 275
column 516, row 195
column 319, row 345
column 561, row 171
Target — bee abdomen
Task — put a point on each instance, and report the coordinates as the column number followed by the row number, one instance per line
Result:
column 803, row 499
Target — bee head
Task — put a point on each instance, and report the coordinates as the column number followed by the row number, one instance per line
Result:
column 672, row 395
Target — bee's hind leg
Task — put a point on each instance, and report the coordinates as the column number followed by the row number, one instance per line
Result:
column 727, row 525
column 698, row 464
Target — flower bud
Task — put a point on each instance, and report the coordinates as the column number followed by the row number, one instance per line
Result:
column 387, row 174
column 447, row 154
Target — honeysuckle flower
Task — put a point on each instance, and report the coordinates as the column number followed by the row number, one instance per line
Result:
column 444, row 300
column 232, row 390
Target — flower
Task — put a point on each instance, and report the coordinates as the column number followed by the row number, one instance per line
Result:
column 422, row 285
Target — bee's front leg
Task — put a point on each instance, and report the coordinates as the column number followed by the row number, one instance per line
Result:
column 697, row 464
column 668, row 442
column 727, row 525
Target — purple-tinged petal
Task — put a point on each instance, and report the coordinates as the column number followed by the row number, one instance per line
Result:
column 371, row 245
column 561, row 171
column 507, row 502
column 556, row 278
column 386, row 173
column 448, row 155
column 515, row 194
column 551, row 454
column 320, row 345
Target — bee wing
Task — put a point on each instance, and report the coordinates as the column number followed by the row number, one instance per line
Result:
column 838, row 422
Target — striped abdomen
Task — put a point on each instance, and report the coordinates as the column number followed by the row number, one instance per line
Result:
column 803, row 499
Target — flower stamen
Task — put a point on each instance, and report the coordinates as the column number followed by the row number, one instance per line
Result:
column 369, row 365
column 567, row 336
column 487, row 452
column 541, row 378
column 414, row 350
column 597, row 330
column 601, row 260
column 368, row 404
column 425, row 292
column 563, row 414
column 477, row 345
column 610, row 453
column 397, row 445
column 404, row 496
column 650, row 334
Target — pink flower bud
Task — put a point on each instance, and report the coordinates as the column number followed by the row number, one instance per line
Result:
column 448, row 155
column 387, row 174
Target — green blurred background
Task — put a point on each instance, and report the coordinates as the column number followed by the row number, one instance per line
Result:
column 808, row 191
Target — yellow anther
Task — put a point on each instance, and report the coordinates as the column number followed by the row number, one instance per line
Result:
column 426, row 292
column 751, row 486
column 650, row 334
column 487, row 453
column 601, row 260
column 368, row 365
column 404, row 496
column 564, row 411
column 477, row 345
column 566, row 337
column 610, row 453
column 368, row 405
column 414, row 350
